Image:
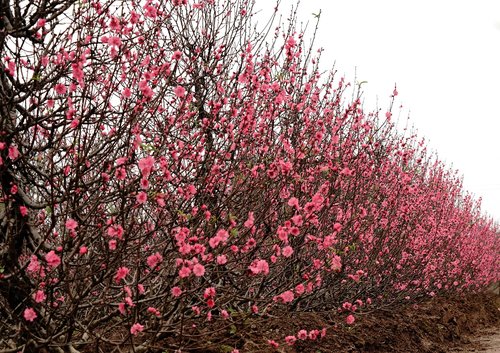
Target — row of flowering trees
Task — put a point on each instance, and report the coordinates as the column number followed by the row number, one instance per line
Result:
column 162, row 163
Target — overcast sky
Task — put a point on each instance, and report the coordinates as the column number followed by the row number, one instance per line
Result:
column 444, row 57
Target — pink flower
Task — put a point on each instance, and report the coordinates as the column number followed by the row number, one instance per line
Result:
column 317, row 199
column 209, row 292
column 154, row 260
column 177, row 55
column 179, row 91
column 112, row 244
column 350, row 320
column 299, row 289
column 141, row 197
column 121, row 308
column 249, row 222
column 120, row 173
column 176, row 291
column 290, row 340
column 126, row 92
column 302, row 335
column 179, row 2
column 136, row 328
column 154, row 311
column 121, row 161
column 214, row 242
column 310, row 207
column 60, row 88
column 83, row 250
column 144, row 183
column 41, row 22
column 273, row 343
column 34, row 265
column 39, row 296
column 184, row 272
column 313, row 334
column 287, row 251
column 297, row 220
column 290, row 42
column 293, row 202
column 13, row 153
column 336, row 263
column 71, row 224
column 53, row 260
column 259, row 266
column 198, row 270
column 160, row 201
column 222, row 234
column 146, row 165
column 23, row 210
column 115, row 231
column 29, row 314
column 287, row 296
column 347, row 171
column 121, row 274
column 221, row 259
column 150, row 11
column 114, row 41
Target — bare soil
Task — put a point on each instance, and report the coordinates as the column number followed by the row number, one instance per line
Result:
column 488, row 341
column 440, row 325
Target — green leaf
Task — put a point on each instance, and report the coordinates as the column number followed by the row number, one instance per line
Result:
column 148, row 147
column 317, row 15
column 225, row 348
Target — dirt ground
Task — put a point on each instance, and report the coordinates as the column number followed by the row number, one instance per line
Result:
column 439, row 325
column 488, row 341
column 448, row 324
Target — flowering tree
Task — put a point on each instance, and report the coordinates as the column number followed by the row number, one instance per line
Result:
column 164, row 166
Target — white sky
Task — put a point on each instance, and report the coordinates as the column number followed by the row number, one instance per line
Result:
column 444, row 56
